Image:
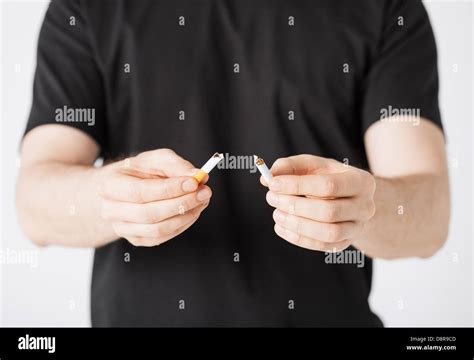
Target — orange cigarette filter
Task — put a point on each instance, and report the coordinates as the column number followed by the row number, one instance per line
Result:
column 208, row 166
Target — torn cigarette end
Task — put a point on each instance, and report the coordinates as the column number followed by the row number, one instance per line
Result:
column 262, row 167
column 208, row 166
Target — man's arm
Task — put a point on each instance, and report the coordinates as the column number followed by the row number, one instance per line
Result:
column 63, row 200
column 57, row 198
column 400, row 210
column 412, row 190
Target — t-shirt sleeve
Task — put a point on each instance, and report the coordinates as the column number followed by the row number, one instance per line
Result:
column 403, row 76
column 68, row 84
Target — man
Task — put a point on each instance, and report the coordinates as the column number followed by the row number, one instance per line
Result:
column 342, row 96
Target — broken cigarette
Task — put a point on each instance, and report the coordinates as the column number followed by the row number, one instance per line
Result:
column 262, row 167
column 208, row 166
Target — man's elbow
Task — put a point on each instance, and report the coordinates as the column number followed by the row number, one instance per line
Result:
column 35, row 237
column 26, row 220
column 436, row 243
column 440, row 226
column 29, row 228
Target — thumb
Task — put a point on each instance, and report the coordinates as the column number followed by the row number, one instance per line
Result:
column 160, row 162
column 301, row 165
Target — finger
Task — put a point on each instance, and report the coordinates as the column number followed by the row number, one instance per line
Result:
column 127, row 188
column 329, row 211
column 348, row 183
column 263, row 182
column 159, row 230
column 204, row 180
column 308, row 243
column 330, row 233
column 161, row 162
column 154, row 212
column 301, row 165
column 153, row 241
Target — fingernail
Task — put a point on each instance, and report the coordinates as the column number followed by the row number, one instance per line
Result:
column 279, row 216
column 190, row 185
column 276, row 185
column 272, row 198
column 203, row 195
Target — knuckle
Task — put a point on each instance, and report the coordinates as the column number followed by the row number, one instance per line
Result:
column 331, row 212
column 157, row 242
column 291, row 209
column 190, row 203
column 104, row 211
column 165, row 151
column 274, row 214
column 297, row 186
column 139, row 191
column 279, row 162
column 138, row 159
column 147, row 215
column 136, row 241
column 331, row 248
column 344, row 246
column 103, row 188
column 334, row 232
column 334, row 163
column 295, row 239
column 133, row 192
column 330, row 187
column 297, row 224
column 160, row 230
column 320, row 246
column 118, row 232
column 371, row 209
column 372, row 183
column 166, row 191
column 305, row 157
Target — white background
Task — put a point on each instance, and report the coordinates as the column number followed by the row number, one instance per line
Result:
column 433, row 292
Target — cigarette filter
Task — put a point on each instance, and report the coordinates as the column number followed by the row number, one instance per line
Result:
column 208, row 166
column 262, row 167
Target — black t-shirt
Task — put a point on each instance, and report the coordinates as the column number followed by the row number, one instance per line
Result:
column 273, row 78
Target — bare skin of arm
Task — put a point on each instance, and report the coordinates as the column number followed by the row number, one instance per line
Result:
column 400, row 209
column 62, row 199
column 412, row 193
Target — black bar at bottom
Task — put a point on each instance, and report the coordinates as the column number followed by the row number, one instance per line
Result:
column 68, row 343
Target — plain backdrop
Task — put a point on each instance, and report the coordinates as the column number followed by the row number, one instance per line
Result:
column 50, row 287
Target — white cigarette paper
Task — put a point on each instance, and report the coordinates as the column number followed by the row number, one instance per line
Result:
column 212, row 162
column 208, row 166
column 262, row 167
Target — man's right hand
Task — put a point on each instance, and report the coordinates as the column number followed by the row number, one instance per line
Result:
column 152, row 197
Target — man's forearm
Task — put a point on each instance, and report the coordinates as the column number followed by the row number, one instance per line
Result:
column 58, row 204
column 411, row 219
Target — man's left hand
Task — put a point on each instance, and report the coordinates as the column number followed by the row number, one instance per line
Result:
column 321, row 204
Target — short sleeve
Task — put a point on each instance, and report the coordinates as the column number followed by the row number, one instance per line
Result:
column 403, row 78
column 68, row 85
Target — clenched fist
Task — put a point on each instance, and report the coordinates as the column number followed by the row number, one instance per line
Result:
column 320, row 204
column 152, row 197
